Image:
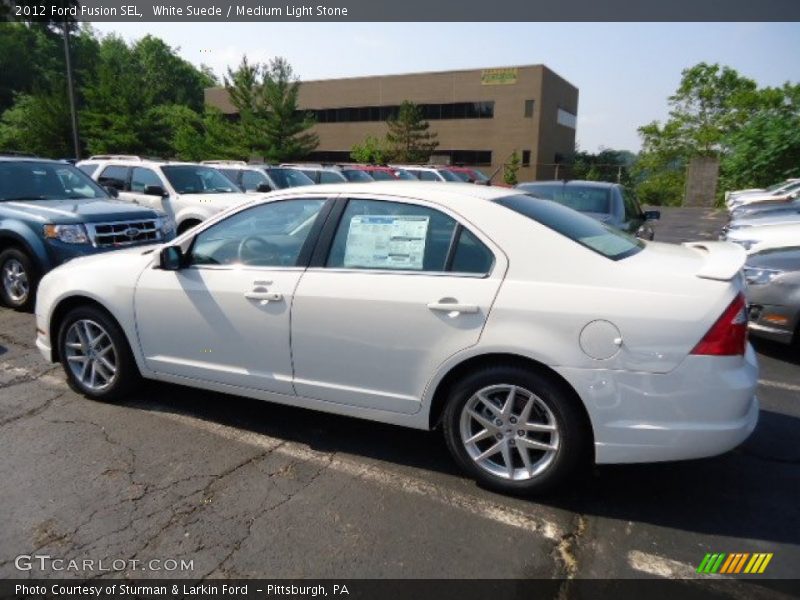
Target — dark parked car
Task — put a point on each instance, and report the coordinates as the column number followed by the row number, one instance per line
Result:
column 609, row 203
column 51, row 212
column 773, row 294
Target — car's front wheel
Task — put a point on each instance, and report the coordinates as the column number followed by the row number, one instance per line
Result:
column 96, row 356
column 19, row 279
column 514, row 429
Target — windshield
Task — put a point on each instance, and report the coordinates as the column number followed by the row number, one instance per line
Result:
column 33, row 180
column 461, row 175
column 381, row 175
column 403, row 174
column 583, row 198
column 584, row 230
column 197, row 179
column 286, row 178
column 448, row 175
column 356, row 175
column 787, row 188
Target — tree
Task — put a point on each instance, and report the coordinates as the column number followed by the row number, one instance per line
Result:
column 287, row 128
column 710, row 108
column 270, row 122
column 409, row 138
column 511, row 168
column 372, row 150
column 39, row 124
column 765, row 150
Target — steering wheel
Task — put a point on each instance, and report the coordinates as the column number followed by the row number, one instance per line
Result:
column 254, row 249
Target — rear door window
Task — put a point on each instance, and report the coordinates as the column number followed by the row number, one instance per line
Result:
column 114, row 176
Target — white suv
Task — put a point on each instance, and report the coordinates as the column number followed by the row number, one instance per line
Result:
column 188, row 192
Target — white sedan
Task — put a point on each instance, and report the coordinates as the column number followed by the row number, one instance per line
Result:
column 535, row 337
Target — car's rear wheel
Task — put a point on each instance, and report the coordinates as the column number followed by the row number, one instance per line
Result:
column 96, row 356
column 19, row 279
column 515, row 430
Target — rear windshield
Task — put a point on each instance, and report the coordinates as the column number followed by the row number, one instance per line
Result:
column 584, row 198
column 588, row 232
column 356, row 175
column 285, row 178
column 380, row 175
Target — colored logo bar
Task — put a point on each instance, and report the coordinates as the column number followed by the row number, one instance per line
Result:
column 734, row 563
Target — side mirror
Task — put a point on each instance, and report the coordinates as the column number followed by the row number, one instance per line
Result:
column 112, row 191
column 652, row 215
column 263, row 187
column 171, row 258
column 154, row 190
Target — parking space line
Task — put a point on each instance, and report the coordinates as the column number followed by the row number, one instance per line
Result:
column 372, row 473
column 779, row 384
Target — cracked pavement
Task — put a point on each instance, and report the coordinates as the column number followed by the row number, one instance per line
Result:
column 249, row 489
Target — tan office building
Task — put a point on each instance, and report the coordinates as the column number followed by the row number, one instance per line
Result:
column 481, row 116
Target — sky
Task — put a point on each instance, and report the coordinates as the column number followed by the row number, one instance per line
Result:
column 624, row 71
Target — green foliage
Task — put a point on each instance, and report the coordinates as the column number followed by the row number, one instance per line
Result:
column 126, row 94
column 511, row 168
column 409, row 138
column 270, row 123
column 764, row 151
column 372, row 151
column 717, row 112
column 39, row 124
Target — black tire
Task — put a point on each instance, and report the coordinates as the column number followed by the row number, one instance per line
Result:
column 127, row 378
column 13, row 257
column 573, row 439
column 186, row 226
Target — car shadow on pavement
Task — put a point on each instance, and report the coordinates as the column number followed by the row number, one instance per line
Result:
column 776, row 350
column 749, row 493
column 739, row 494
column 3, row 350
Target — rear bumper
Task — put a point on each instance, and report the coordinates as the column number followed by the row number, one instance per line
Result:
column 704, row 407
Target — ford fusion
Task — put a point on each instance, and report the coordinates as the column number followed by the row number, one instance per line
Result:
column 534, row 337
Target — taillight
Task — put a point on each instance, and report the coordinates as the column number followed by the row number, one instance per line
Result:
column 728, row 336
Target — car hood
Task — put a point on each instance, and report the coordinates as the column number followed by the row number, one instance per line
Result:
column 781, row 259
column 82, row 211
column 757, row 197
column 784, row 218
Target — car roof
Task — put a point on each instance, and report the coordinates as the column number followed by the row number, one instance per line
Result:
column 570, row 182
column 10, row 158
column 440, row 193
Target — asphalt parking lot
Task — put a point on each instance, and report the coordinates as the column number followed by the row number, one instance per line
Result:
column 249, row 489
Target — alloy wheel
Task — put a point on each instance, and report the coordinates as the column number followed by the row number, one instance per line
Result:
column 91, row 355
column 509, row 432
column 15, row 281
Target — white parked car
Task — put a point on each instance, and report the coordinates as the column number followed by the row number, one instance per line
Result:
column 785, row 193
column 777, row 187
column 761, row 237
column 259, row 178
column 188, row 192
column 535, row 336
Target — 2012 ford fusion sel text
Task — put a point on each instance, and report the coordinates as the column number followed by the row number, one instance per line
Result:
column 534, row 336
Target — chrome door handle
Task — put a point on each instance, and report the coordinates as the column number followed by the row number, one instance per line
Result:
column 264, row 296
column 451, row 307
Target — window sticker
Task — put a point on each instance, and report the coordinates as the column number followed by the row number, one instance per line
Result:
column 386, row 242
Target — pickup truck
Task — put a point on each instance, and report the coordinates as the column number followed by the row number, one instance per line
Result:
column 51, row 212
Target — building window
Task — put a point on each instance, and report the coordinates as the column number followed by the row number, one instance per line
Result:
column 526, row 158
column 430, row 112
column 466, row 158
column 528, row 109
column 566, row 118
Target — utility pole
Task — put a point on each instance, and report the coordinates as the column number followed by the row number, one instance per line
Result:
column 71, row 92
